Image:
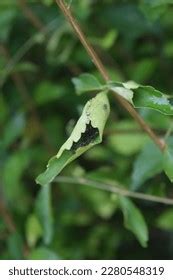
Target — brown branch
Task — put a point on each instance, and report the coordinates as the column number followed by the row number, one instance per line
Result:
column 98, row 63
column 96, row 60
column 114, row 188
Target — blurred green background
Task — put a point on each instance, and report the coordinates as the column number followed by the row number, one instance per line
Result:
column 39, row 55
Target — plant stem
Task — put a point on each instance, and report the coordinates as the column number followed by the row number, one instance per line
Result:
column 98, row 63
column 91, row 52
column 114, row 188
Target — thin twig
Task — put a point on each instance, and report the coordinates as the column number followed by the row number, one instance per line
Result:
column 114, row 188
column 98, row 63
column 96, row 60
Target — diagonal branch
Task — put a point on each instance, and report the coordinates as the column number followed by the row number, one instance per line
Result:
column 91, row 52
column 98, row 63
column 114, row 188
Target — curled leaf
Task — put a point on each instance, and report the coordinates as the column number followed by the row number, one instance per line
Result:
column 87, row 133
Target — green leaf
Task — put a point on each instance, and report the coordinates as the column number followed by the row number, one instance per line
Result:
column 43, row 210
column 13, row 129
column 99, row 201
column 165, row 220
column 47, row 92
column 3, row 109
column 12, row 172
column 25, row 67
column 168, row 49
column 15, row 246
column 147, row 165
column 143, row 69
column 155, row 3
column 168, row 160
column 42, row 253
column 87, row 133
column 107, row 41
column 155, row 8
column 7, row 17
column 126, row 140
column 134, row 220
column 86, row 82
column 48, row 2
column 143, row 96
column 123, row 90
column 138, row 95
column 149, row 97
column 33, row 230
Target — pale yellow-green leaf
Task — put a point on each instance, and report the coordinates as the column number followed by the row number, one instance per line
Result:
column 87, row 133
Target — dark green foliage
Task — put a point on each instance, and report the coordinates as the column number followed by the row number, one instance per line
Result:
column 39, row 71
